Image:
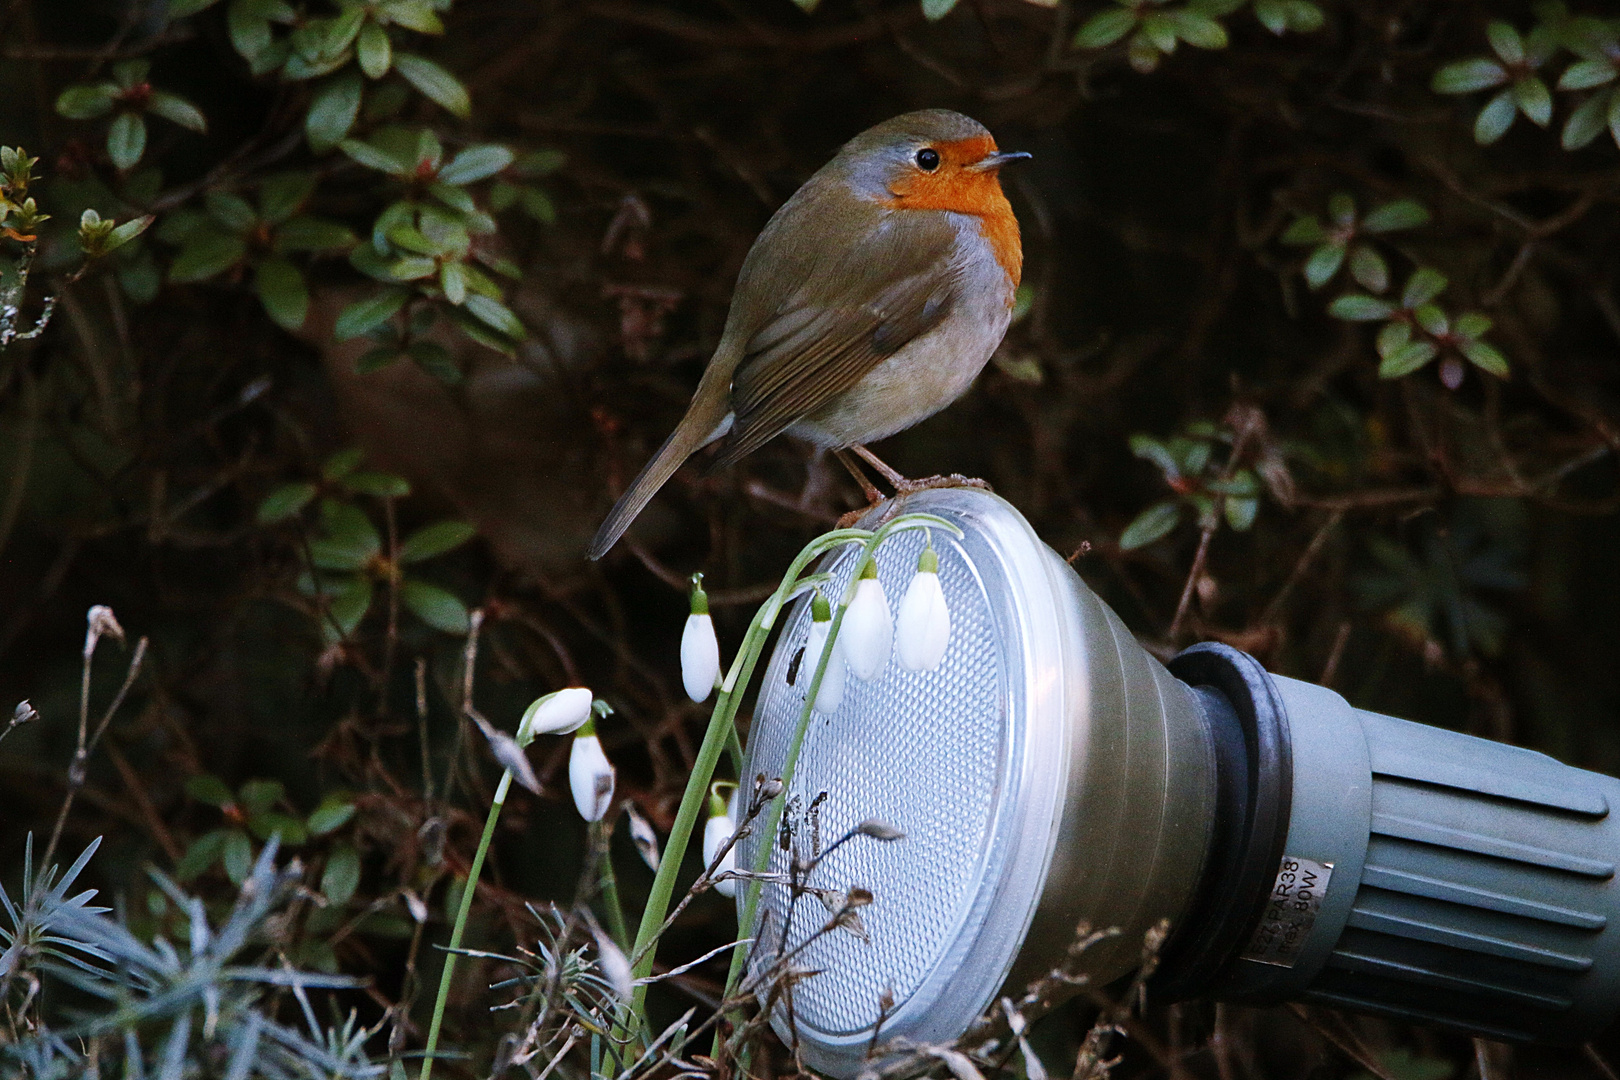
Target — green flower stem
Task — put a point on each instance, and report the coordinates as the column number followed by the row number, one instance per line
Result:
column 720, row 732
column 461, row 923
column 773, row 816
column 613, row 910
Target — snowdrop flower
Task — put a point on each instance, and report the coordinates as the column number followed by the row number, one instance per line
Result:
column 867, row 633
column 700, row 650
column 555, row 714
column 831, row 693
column 924, row 626
column 590, row 774
column 719, row 829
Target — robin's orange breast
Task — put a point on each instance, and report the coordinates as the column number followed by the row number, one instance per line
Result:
column 958, row 187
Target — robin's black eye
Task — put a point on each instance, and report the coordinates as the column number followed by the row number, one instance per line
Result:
column 927, row 159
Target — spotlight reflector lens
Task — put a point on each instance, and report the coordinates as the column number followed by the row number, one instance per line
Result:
column 963, row 759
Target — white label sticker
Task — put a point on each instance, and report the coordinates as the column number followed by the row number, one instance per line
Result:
column 1290, row 911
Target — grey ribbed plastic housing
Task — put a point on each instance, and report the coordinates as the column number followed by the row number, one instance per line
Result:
column 1473, row 883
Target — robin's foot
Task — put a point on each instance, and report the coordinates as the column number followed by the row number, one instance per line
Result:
column 929, row 483
column 890, row 509
column 904, row 486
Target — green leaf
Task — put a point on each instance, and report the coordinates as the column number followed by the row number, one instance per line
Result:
column 1273, row 15
column 1585, row 74
column 453, row 280
column 206, row 254
column 1159, row 32
column 418, row 15
column 334, row 812
column 238, row 855
column 1614, row 116
column 208, row 788
column 177, row 110
column 380, row 484
column 1323, row 264
column 348, row 606
column 934, row 10
column 373, row 157
column 412, row 269
column 281, row 195
column 1369, row 268
column 1486, row 358
column 1105, row 28
column 1305, row 230
column 230, row 211
column 1466, row 76
column 1505, row 41
column 434, row 83
column 282, row 291
column 1432, row 319
column 364, row 315
column 1392, row 216
column 541, row 162
column 1407, row 359
column 436, row 361
column 434, row 540
column 375, row 52
column 1587, row 121
column 435, row 606
column 335, row 468
column 476, row 163
column 375, row 359
column 1358, row 308
column 203, row 853
column 1496, row 117
column 1534, row 100
column 179, row 9
column 496, row 316
column 285, row 501
column 1393, row 337
column 305, row 233
column 261, row 796
column 341, row 877
column 249, row 28
column 126, row 232
column 333, row 111
column 1342, row 208
column 1197, row 30
column 1241, row 511
column 1424, row 285
column 126, row 140
column 290, row 829
column 86, row 102
column 1151, row 524
column 1474, row 324
column 1150, row 449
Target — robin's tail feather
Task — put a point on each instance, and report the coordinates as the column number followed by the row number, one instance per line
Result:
column 705, row 421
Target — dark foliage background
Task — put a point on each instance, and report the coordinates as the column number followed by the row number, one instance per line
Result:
column 1435, row 543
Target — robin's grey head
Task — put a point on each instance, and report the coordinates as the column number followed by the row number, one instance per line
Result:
column 935, row 146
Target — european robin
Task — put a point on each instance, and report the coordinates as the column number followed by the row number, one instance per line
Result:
column 870, row 301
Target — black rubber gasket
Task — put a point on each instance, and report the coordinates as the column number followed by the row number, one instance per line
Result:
column 1254, row 792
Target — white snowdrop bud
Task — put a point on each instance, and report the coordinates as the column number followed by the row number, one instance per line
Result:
column 866, row 635
column 590, row 775
column 716, row 832
column 700, row 649
column 555, row 714
column 831, row 693
column 923, row 628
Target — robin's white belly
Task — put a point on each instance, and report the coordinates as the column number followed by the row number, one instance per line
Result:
column 925, row 375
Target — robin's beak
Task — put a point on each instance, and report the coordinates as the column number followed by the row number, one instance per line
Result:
column 996, row 160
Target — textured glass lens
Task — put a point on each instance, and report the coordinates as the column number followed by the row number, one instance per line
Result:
column 926, row 752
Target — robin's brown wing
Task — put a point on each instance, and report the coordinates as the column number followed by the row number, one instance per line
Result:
column 852, row 308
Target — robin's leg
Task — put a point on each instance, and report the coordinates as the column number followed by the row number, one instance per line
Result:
column 903, row 486
column 873, row 495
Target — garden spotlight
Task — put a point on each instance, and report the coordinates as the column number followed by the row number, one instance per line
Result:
column 1050, row 772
